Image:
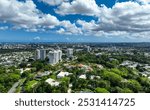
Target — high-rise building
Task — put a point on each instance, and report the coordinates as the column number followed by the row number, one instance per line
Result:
column 52, row 57
column 37, row 56
column 60, row 55
column 55, row 56
column 88, row 48
column 40, row 54
column 69, row 52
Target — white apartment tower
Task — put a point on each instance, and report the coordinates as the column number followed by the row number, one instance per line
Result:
column 69, row 52
column 88, row 48
column 60, row 55
column 37, row 56
column 52, row 57
column 40, row 54
column 55, row 56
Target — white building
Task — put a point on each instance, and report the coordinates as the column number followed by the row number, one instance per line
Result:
column 52, row 57
column 63, row 74
column 60, row 55
column 40, row 54
column 88, row 48
column 94, row 77
column 69, row 53
column 82, row 76
column 55, row 56
column 46, row 73
column 37, row 54
column 52, row 82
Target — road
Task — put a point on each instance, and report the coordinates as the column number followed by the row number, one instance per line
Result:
column 13, row 89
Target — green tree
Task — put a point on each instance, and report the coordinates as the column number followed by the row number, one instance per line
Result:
column 114, row 78
column 134, row 85
column 101, row 90
column 63, row 87
column 40, row 87
column 122, row 72
column 126, row 90
column 26, row 74
column 2, row 89
column 104, row 84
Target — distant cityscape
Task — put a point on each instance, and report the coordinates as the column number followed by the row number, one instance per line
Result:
column 75, row 68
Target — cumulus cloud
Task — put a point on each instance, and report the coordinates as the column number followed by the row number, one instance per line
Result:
column 53, row 2
column 144, row 1
column 61, row 31
column 123, row 19
column 128, row 16
column 25, row 15
column 36, row 38
column 87, row 26
column 3, row 27
column 69, row 28
column 83, row 7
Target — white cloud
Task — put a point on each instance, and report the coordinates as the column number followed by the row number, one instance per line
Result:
column 83, row 7
column 53, row 2
column 4, row 28
column 69, row 28
column 144, row 1
column 87, row 26
column 25, row 15
column 37, row 38
column 125, row 19
column 61, row 31
column 128, row 19
column 127, row 16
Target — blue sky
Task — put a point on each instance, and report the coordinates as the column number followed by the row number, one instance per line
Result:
column 75, row 21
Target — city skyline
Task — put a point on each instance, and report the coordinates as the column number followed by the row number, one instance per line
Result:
column 75, row 21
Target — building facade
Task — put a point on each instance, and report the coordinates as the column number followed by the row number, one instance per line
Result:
column 55, row 56
column 70, row 53
column 40, row 54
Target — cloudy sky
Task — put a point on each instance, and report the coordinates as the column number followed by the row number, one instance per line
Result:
column 75, row 20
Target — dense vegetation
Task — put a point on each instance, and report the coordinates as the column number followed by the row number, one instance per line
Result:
column 112, row 78
column 8, row 78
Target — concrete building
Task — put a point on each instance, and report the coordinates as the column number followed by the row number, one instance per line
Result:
column 83, row 76
column 69, row 52
column 88, row 48
column 52, row 82
column 45, row 73
column 52, row 57
column 37, row 56
column 60, row 55
column 40, row 54
column 63, row 74
column 55, row 56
